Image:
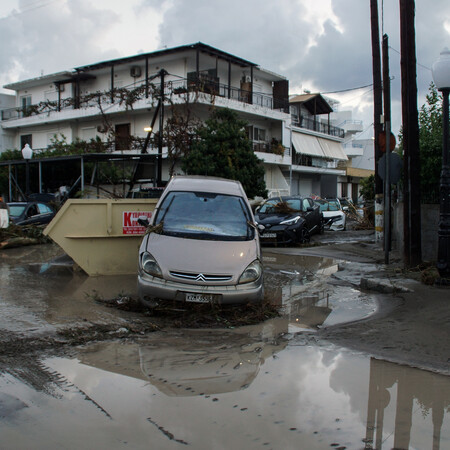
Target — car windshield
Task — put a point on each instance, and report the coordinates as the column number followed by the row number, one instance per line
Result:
column 328, row 205
column 201, row 215
column 277, row 206
column 16, row 210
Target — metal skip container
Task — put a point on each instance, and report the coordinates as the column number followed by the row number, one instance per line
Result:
column 102, row 236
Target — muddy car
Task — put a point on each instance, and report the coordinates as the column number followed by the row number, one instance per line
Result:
column 30, row 213
column 202, row 245
column 288, row 220
column 333, row 216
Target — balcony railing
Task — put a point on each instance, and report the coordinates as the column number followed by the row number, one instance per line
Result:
column 128, row 95
column 316, row 125
column 268, row 147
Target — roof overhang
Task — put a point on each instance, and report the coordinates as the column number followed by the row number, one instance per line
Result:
column 45, row 79
column 314, row 103
column 203, row 48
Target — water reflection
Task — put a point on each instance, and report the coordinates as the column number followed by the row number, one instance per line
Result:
column 411, row 391
column 193, row 362
column 233, row 389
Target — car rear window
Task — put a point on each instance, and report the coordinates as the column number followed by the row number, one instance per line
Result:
column 16, row 210
column 201, row 215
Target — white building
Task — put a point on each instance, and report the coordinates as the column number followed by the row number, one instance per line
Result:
column 113, row 101
column 360, row 152
column 6, row 103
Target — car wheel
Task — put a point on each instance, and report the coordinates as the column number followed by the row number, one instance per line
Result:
column 304, row 236
column 322, row 227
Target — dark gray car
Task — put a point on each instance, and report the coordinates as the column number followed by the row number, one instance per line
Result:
column 288, row 220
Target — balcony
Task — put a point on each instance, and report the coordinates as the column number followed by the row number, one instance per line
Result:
column 126, row 97
column 317, row 125
column 268, row 147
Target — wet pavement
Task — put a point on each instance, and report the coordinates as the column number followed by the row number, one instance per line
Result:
column 275, row 385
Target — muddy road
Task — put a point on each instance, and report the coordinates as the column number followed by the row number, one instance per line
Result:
column 83, row 365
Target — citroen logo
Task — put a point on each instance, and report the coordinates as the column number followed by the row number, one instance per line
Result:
column 200, row 277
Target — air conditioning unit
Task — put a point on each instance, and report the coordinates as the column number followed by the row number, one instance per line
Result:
column 135, row 72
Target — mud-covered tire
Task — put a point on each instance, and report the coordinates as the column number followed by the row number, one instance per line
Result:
column 304, row 237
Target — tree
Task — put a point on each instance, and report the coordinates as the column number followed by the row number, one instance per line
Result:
column 367, row 189
column 222, row 149
column 430, row 138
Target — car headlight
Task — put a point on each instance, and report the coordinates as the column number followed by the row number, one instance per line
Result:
column 149, row 265
column 292, row 221
column 251, row 273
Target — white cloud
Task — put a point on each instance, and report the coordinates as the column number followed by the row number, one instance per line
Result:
column 321, row 45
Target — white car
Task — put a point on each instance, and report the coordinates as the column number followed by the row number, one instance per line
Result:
column 4, row 215
column 333, row 216
column 202, row 245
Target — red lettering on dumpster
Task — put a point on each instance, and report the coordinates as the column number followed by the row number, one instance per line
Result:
column 130, row 221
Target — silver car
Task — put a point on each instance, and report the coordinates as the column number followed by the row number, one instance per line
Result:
column 202, row 245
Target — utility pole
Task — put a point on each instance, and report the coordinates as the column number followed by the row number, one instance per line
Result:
column 387, row 130
column 161, row 126
column 377, row 106
column 411, row 163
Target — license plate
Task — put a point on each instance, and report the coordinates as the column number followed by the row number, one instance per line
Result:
column 269, row 235
column 199, row 298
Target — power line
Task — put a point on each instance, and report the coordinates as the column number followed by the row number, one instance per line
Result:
column 347, row 90
column 30, row 7
column 421, row 65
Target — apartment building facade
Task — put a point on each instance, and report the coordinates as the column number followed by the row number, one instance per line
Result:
column 113, row 102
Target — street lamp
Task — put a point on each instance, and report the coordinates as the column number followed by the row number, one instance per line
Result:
column 27, row 153
column 441, row 77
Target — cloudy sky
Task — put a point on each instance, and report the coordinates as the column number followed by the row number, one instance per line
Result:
column 319, row 45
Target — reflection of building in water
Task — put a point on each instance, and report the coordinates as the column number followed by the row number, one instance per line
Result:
column 294, row 282
column 431, row 391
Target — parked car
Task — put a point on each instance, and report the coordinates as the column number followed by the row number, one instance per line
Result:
column 202, row 245
column 333, row 216
column 4, row 215
column 288, row 220
column 30, row 213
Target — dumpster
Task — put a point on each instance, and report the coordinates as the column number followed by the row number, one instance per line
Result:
column 101, row 235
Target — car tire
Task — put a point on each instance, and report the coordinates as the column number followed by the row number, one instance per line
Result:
column 304, row 236
column 322, row 227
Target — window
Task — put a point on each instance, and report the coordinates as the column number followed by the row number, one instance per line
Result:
column 306, row 204
column 259, row 134
column 123, row 137
column 25, row 102
column 26, row 139
column 205, row 215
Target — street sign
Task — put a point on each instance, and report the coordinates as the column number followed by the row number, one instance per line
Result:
column 382, row 142
column 395, row 167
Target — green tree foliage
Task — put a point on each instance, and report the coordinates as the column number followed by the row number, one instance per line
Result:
column 367, row 188
column 430, row 136
column 222, row 149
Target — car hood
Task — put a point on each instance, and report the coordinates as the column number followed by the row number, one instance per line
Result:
column 201, row 256
column 273, row 219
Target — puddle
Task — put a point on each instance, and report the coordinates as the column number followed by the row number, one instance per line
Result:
column 211, row 389
column 299, row 284
column 36, row 297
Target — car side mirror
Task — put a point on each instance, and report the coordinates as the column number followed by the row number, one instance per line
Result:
column 257, row 209
column 143, row 221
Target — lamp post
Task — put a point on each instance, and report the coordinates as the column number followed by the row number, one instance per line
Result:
column 27, row 153
column 441, row 77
